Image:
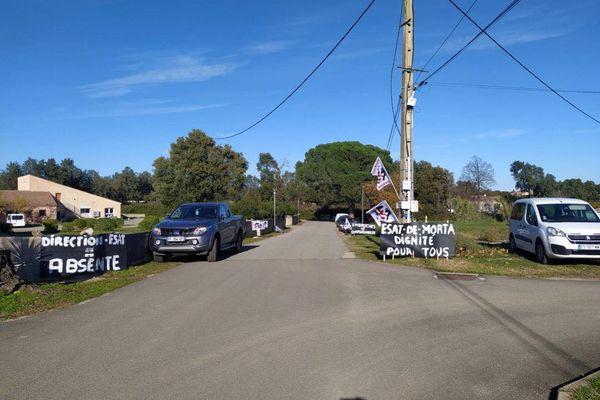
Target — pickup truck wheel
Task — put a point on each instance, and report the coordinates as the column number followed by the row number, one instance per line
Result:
column 159, row 258
column 214, row 251
column 238, row 243
column 540, row 253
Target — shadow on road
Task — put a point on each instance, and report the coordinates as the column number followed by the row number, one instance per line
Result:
column 555, row 390
column 224, row 255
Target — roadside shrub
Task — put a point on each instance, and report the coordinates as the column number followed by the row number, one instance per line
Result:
column 149, row 208
column 80, row 224
column 69, row 227
column 105, row 225
column 5, row 227
column 119, row 222
column 50, row 226
column 149, row 222
column 465, row 210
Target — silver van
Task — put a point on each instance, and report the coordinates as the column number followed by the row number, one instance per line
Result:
column 556, row 228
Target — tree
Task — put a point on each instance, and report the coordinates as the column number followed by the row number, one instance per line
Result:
column 334, row 172
column 8, row 177
column 270, row 175
column 433, row 189
column 199, row 170
column 532, row 179
column 480, row 173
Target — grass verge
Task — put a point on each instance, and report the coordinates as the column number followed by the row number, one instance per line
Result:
column 589, row 391
column 38, row 298
column 475, row 257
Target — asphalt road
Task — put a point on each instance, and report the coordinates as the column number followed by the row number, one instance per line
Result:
column 290, row 318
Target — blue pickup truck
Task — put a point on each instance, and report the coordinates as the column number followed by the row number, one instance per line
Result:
column 198, row 229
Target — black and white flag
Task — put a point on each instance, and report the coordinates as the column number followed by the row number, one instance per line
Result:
column 382, row 213
column 379, row 171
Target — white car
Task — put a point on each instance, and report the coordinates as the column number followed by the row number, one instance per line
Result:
column 16, row 219
column 557, row 228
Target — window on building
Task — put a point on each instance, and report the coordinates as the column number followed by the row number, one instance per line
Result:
column 84, row 211
column 42, row 212
column 108, row 212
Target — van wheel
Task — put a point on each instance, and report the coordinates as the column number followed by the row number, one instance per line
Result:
column 512, row 245
column 238, row 243
column 540, row 253
column 213, row 254
column 159, row 258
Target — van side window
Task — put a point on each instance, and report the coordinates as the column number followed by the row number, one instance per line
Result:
column 531, row 217
column 518, row 211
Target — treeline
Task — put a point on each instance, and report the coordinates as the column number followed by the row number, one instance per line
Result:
column 123, row 186
column 532, row 179
column 332, row 176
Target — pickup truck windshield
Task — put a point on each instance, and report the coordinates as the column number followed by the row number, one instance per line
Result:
column 567, row 213
column 194, row 212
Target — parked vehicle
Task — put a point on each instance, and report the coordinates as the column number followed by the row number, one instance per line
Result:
column 15, row 219
column 338, row 216
column 198, row 229
column 344, row 223
column 555, row 228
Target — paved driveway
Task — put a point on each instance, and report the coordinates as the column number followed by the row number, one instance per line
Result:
column 291, row 319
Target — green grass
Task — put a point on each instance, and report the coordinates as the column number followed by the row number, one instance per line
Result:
column 590, row 391
column 473, row 256
column 43, row 297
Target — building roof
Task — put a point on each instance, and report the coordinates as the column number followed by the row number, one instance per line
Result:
column 53, row 185
column 33, row 199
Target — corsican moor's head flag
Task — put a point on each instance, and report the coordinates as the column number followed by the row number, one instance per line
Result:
column 378, row 170
column 383, row 213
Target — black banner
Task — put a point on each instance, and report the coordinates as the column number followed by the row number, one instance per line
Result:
column 362, row 229
column 82, row 255
column 433, row 240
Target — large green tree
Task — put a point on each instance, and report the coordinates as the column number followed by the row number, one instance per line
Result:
column 199, row 170
column 433, row 189
column 334, row 172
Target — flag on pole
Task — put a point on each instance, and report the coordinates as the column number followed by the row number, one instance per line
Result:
column 383, row 213
column 378, row 170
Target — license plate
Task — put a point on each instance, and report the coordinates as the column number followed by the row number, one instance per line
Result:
column 589, row 247
column 175, row 239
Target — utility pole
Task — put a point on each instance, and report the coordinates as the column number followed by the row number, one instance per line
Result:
column 274, row 211
column 408, row 102
column 362, row 203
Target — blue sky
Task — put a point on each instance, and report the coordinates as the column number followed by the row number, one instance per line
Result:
column 112, row 83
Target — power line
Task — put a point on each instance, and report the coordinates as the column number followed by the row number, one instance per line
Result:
column 459, row 52
column 394, row 126
column 514, row 88
column 305, row 79
column 445, row 40
column 523, row 65
column 392, row 69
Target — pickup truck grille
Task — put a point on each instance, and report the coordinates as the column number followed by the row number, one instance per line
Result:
column 176, row 232
column 583, row 239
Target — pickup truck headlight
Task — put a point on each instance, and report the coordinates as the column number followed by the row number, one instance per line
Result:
column 199, row 230
column 555, row 232
column 156, row 231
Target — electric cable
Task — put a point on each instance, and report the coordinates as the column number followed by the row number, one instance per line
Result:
column 304, row 80
column 392, row 69
column 445, row 40
column 482, row 30
column 513, row 88
column 469, row 43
